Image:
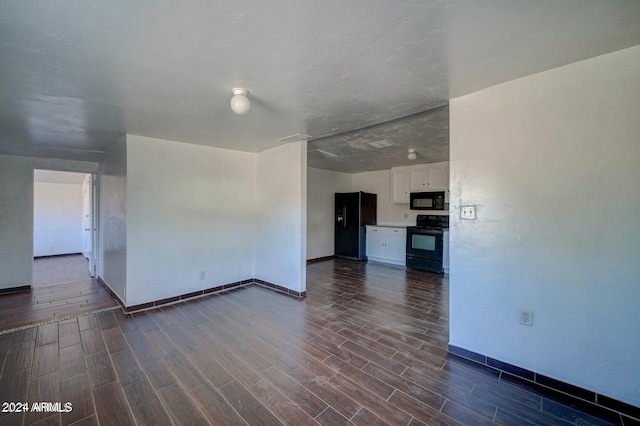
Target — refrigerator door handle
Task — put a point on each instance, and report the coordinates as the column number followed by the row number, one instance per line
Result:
column 344, row 218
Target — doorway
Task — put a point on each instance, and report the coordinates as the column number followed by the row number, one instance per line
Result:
column 64, row 227
column 64, row 262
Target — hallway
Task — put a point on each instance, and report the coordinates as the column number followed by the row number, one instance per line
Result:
column 62, row 288
column 52, row 270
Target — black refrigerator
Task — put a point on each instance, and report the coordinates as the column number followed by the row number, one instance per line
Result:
column 354, row 210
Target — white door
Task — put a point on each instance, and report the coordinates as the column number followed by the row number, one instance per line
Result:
column 418, row 180
column 396, row 248
column 375, row 242
column 436, row 180
column 400, row 187
column 86, row 216
column 88, row 222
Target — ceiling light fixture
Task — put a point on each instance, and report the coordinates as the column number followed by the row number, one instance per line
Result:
column 412, row 154
column 240, row 102
column 381, row 144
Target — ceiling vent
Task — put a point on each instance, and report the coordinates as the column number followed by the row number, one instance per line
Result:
column 295, row 138
column 381, row 144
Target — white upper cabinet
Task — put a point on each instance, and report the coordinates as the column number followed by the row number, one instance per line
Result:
column 446, row 184
column 418, row 178
column 400, row 186
column 436, row 176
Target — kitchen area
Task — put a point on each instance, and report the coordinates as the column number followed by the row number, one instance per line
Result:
column 409, row 226
column 414, row 235
column 405, row 163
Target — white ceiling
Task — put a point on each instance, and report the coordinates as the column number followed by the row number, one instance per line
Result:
column 77, row 75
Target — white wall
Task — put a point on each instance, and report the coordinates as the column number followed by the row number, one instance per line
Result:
column 57, row 219
column 282, row 216
column 112, row 221
column 190, row 208
column 16, row 222
column 16, row 213
column 553, row 163
column 321, row 187
column 379, row 182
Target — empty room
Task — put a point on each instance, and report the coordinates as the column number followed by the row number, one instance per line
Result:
column 402, row 212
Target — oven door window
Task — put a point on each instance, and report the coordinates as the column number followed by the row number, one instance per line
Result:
column 423, row 242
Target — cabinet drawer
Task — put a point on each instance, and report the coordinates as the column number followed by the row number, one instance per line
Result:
column 375, row 229
column 396, row 231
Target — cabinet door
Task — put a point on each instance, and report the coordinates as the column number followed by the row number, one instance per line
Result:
column 446, row 183
column 400, row 187
column 396, row 248
column 418, row 180
column 375, row 243
column 436, row 178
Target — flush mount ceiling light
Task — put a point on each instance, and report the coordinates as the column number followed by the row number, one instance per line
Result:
column 381, row 144
column 412, row 154
column 240, row 102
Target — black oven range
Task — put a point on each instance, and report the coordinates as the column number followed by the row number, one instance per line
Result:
column 425, row 243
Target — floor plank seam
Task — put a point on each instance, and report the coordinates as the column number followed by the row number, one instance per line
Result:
column 57, row 319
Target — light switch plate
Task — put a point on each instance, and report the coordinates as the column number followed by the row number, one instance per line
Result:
column 468, row 212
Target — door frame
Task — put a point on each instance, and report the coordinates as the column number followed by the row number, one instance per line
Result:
column 93, row 225
column 95, row 216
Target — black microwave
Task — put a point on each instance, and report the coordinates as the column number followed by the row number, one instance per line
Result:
column 426, row 200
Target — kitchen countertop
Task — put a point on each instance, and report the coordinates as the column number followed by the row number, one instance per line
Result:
column 405, row 225
column 401, row 226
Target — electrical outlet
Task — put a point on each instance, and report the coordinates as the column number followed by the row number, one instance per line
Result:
column 525, row 318
column 203, row 275
column 467, row 212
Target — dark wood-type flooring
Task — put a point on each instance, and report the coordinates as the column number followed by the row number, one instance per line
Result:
column 62, row 287
column 366, row 347
column 48, row 271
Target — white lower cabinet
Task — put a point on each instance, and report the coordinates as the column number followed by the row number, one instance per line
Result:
column 375, row 243
column 386, row 244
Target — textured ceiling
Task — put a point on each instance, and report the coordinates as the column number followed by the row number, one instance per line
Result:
column 353, row 152
column 77, row 75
